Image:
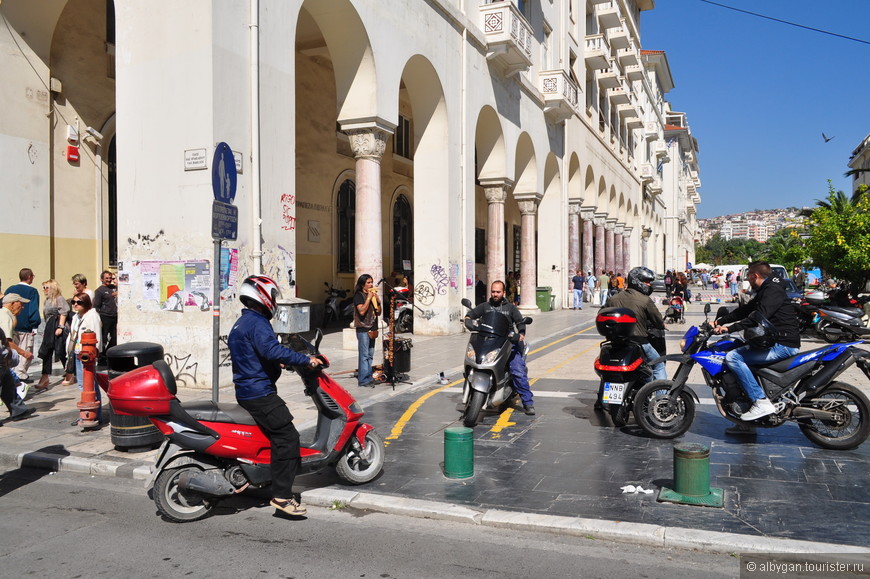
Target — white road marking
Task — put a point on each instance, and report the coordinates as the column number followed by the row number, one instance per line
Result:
column 557, row 394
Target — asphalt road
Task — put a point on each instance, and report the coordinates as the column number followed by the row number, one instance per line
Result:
column 71, row 525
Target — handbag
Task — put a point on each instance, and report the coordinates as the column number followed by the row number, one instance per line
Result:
column 373, row 334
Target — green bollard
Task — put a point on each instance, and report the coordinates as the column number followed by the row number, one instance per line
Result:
column 692, row 477
column 458, row 452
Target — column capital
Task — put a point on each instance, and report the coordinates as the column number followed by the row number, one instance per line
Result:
column 528, row 202
column 645, row 232
column 610, row 224
column 587, row 213
column 618, row 228
column 627, row 230
column 495, row 194
column 599, row 219
column 368, row 137
column 574, row 206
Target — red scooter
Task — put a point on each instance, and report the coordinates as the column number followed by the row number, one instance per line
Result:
column 215, row 450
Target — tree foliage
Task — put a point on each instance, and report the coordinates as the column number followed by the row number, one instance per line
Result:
column 839, row 239
column 721, row 251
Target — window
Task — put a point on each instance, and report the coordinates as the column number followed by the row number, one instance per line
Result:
column 402, row 138
column 346, row 214
column 479, row 245
column 113, row 204
column 403, row 233
column 547, row 49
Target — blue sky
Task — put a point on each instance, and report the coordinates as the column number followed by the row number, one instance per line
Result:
column 758, row 94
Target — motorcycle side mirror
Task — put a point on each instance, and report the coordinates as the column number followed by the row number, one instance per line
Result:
column 707, row 308
column 318, row 336
column 527, row 320
column 466, row 302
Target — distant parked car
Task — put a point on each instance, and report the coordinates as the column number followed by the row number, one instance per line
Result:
column 658, row 284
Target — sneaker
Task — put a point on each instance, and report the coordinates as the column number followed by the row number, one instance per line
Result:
column 741, row 430
column 760, row 408
column 529, row 409
column 289, row 506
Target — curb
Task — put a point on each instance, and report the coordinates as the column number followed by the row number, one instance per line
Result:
column 623, row 532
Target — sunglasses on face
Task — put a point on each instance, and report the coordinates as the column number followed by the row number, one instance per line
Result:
column 45, row 287
column 77, row 302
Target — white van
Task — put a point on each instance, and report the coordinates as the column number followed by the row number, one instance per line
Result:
column 724, row 269
column 776, row 270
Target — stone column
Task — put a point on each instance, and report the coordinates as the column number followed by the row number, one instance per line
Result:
column 608, row 245
column 618, row 260
column 626, row 249
column 645, row 232
column 588, row 259
column 368, row 144
column 528, row 205
column 574, row 259
column 600, row 242
column 496, row 193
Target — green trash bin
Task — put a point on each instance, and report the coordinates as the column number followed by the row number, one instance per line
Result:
column 542, row 298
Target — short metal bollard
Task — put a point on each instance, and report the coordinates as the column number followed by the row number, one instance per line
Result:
column 458, row 452
column 692, row 477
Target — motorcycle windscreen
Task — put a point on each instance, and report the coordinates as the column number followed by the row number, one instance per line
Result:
column 494, row 323
column 486, row 343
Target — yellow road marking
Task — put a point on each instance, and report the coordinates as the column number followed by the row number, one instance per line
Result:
column 396, row 432
column 503, row 422
column 399, row 427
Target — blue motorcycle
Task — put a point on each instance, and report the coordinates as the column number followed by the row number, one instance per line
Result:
column 803, row 389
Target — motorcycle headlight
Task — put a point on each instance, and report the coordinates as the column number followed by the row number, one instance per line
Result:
column 490, row 357
column 469, row 352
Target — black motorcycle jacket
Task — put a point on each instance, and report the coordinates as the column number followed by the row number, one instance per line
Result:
column 771, row 302
column 503, row 307
column 648, row 315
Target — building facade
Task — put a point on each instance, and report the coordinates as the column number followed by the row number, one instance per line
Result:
column 443, row 140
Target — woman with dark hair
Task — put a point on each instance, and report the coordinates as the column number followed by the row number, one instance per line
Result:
column 365, row 320
column 86, row 319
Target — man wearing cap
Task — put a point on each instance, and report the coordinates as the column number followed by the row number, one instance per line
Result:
column 28, row 320
column 12, row 306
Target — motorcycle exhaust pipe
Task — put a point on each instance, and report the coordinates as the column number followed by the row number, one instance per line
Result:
column 828, row 373
column 210, row 482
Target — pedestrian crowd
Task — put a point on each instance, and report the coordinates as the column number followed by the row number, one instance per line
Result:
column 63, row 322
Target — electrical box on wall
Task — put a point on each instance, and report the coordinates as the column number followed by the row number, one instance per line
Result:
column 72, row 153
column 72, row 135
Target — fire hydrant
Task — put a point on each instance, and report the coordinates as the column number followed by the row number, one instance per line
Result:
column 89, row 406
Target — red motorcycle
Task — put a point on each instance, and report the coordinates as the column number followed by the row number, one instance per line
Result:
column 215, row 450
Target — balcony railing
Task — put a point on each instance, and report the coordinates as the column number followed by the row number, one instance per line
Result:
column 634, row 71
column 619, row 94
column 617, row 37
column 651, row 131
column 597, row 52
column 661, row 151
column 508, row 37
column 561, row 95
column 607, row 14
column 647, row 172
column 628, row 56
column 655, row 186
column 608, row 77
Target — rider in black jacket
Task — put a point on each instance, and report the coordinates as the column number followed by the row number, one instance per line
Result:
column 771, row 304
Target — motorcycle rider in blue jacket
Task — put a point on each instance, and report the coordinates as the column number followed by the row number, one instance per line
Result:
column 257, row 361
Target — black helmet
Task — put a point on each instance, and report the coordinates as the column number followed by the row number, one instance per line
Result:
column 640, row 279
column 762, row 335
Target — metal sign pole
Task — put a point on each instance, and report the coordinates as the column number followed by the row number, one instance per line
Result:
column 216, row 321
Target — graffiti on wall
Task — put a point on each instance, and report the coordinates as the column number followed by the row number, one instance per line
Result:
column 424, row 293
column 183, row 368
column 288, row 211
column 439, row 275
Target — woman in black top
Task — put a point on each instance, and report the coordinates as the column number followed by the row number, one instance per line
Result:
column 365, row 316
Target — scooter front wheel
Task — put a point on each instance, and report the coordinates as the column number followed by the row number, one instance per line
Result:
column 661, row 414
column 178, row 505
column 359, row 466
column 472, row 411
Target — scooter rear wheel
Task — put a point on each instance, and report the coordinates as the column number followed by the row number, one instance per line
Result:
column 175, row 504
column 824, row 327
column 660, row 414
column 360, row 467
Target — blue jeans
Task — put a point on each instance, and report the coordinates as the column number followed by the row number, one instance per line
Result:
column 602, row 296
column 366, row 347
column 80, row 378
column 660, row 372
column 520, row 374
column 578, row 299
column 739, row 360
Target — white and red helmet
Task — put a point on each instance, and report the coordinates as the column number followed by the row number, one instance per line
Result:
column 262, row 290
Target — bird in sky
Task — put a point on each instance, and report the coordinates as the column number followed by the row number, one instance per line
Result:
column 826, row 137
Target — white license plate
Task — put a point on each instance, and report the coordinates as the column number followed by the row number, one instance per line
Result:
column 613, row 392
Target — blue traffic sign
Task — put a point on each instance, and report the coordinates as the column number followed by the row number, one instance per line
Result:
column 223, row 174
